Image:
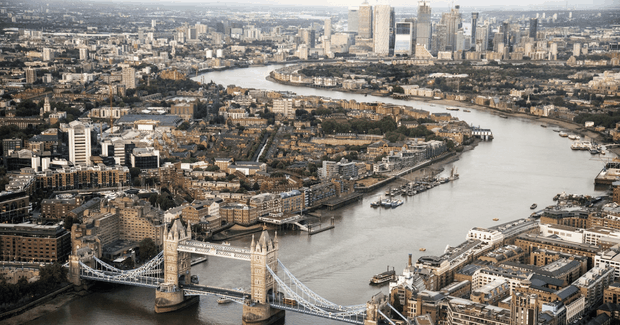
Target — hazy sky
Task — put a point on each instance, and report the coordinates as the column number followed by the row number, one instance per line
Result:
column 523, row 4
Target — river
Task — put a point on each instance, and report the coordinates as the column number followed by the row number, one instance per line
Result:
column 525, row 164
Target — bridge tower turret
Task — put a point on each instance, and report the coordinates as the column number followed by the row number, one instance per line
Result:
column 177, row 271
column 263, row 253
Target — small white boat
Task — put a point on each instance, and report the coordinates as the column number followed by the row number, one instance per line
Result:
column 563, row 134
column 222, row 301
column 452, row 108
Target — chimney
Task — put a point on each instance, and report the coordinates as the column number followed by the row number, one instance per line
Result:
column 409, row 260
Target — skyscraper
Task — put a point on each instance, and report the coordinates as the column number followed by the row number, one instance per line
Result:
column 352, row 20
column 48, row 54
column 474, row 24
column 365, row 21
column 423, row 28
column 79, row 143
column 383, row 29
column 403, row 43
column 453, row 22
column 533, row 27
column 308, row 37
column 327, row 28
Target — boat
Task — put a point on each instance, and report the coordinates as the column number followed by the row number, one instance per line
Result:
column 386, row 202
column 556, row 130
column 563, row 134
column 223, row 301
column 452, row 108
column 396, row 203
column 453, row 174
column 422, row 249
column 384, row 277
column 533, row 206
column 495, row 219
column 503, row 116
column 432, row 104
column 375, row 204
column 542, row 125
column 466, row 110
column 574, row 137
column 594, row 151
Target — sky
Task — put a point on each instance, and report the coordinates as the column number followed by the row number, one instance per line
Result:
column 491, row 4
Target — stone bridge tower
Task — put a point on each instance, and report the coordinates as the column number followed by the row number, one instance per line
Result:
column 169, row 296
column 263, row 289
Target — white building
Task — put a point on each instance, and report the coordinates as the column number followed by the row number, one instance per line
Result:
column 129, row 78
column 403, row 42
column 79, row 143
column 383, row 28
column 284, row 107
column 571, row 234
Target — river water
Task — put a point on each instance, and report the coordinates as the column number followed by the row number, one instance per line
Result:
column 525, row 164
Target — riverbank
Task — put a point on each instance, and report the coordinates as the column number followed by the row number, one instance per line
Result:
column 40, row 310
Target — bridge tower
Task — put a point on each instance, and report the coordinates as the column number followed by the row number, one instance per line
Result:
column 177, row 270
column 258, row 311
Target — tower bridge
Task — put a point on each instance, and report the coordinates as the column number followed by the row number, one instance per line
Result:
column 274, row 289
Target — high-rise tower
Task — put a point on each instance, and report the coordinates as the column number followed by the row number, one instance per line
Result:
column 365, row 21
column 474, row 24
column 352, row 20
column 423, row 28
column 383, row 29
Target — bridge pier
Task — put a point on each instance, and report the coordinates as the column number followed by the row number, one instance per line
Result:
column 257, row 311
column 177, row 265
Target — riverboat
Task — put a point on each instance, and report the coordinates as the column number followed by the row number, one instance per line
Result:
column 533, row 206
column 381, row 278
column 466, row 111
column 422, row 249
column 222, row 301
column 375, row 204
column 574, row 137
column 563, row 134
column 452, row 108
column 542, row 125
column 503, row 116
column 495, row 219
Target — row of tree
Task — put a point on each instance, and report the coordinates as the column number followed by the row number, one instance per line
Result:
column 50, row 277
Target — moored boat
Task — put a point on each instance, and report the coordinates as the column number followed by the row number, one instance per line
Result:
column 533, row 206
column 563, row 134
column 422, row 249
column 466, row 110
column 495, row 219
column 223, row 301
column 452, row 108
column 375, row 204
column 384, row 277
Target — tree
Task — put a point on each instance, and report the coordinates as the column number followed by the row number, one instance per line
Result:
column 134, row 172
column 148, row 249
column 212, row 168
column 255, row 187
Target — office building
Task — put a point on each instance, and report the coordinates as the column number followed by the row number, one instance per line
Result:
column 533, row 28
column 352, row 20
column 383, row 31
column 308, row 37
column 327, row 29
column 403, row 40
column 145, row 158
column 365, row 21
column 474, row 25
column 424, row 28
column 79, row 143
column 453, row 23
column 83, row 54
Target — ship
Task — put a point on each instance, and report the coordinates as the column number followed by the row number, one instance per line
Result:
column 452, row 108
column 495, row 219
column 542, row 125
column 574, row 137
column 381, row 278
column 223, row 301
column 375, row 204
column 533, row 206
column 563, row 134
column 422, row 249
column 466, row 110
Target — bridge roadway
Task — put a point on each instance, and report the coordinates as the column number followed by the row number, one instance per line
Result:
column 331, row 312
column 203, row 248
column 200, row 290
